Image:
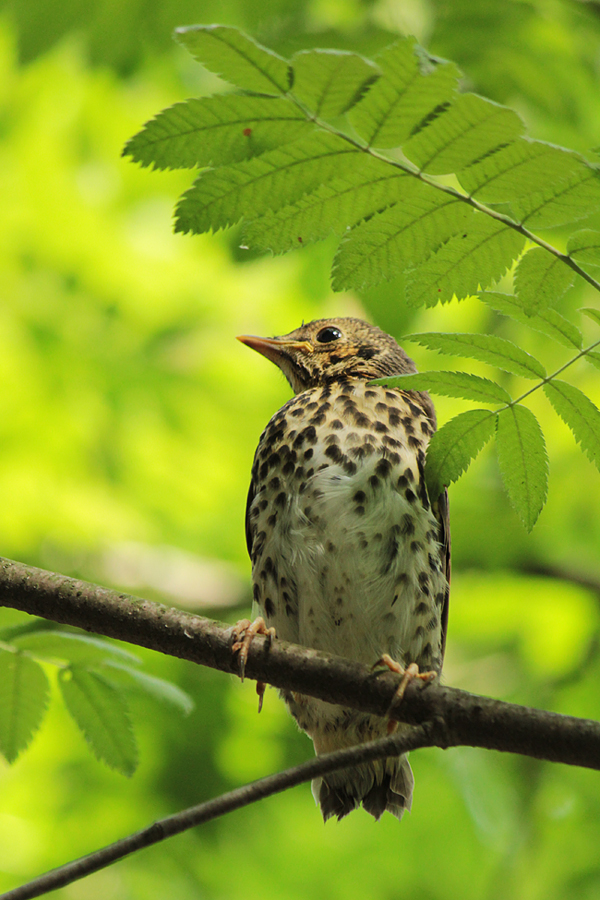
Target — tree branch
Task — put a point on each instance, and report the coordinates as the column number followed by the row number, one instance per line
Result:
column 467, row 719
column 421, row 736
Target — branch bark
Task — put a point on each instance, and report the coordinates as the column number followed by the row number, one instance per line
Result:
column 460, row 718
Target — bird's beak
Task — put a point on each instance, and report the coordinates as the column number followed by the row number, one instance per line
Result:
column 273, row 348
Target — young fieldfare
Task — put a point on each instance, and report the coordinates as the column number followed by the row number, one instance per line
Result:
column 349, row 556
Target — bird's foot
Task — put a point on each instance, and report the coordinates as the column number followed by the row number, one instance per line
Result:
column 244, row 632
column 408, row 674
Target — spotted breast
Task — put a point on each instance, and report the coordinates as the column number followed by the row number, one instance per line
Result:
column 348, row 555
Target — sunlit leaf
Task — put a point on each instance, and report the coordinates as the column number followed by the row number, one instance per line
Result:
column 592, row 314
column 569, row 200
column 465, row 130
column 452, row 448
column 236, row 57
column 330, row 82
column 466, row 263
column 523, row 462
column 584, row 246
column 24, row 694
column 77, row 648
column 488, row 348
column 579, row 413
column 451, row 384
column 154, row 687
column 546, row 321
column 100, row 711
column 541, row 279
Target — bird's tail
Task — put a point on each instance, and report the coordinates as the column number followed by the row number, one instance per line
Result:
column 380, row 785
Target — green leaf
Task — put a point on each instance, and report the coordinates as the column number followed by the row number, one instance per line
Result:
column 592, row 313
column 102, row 714
column 452, row 448
column 413, row 86
column 462, row 132
column 523, row 462
column 157, row 688
column 567, row 201
column 593, row 358
column 489, row 348
column 77, row 648
column 546, row 321
column 400, row 236
column 518, row 169
column 236, row 57
column 216, row 130
column 330, row 82
column 451, row 384
column 331, row 208
column 584, row 247
column 579, row 413
column 466, row 263
column 541, row 279
column 220, row 197
column 24, row 692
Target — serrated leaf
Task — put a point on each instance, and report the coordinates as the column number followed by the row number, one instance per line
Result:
column 24, row 692
column 584, row 247
column 546, row 321
column 102, row 714
column 566, row 201
column 76, row 648
column 220, row 197
column 593, row 358
column 452, row 448
column 463, row 131
column 541, row 279
column 330, row 82
column 466, row 263
column 523, row 462
column 223, row 129
column 413, row 85
column 579, row 413
column 488, row 348
column 592, row 314
column 400, row 236
column 236, row 57
column 157, row 688
column 450, row 384
column 331, row 208
column 518, row 169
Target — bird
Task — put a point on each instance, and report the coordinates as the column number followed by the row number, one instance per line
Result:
column 350, row 555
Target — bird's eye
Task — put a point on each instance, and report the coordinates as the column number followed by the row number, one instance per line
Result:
column 326, row 335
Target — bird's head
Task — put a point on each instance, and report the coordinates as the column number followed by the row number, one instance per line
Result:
column 329, row 350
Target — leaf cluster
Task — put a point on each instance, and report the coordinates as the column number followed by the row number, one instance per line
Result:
column 332, row 142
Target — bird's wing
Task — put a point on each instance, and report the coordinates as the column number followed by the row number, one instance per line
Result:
column 441, row 511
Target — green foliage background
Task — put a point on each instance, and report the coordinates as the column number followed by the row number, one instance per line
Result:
column 128, row 420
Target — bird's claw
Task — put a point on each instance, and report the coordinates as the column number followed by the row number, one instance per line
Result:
column 244, row 632
column 408, row 674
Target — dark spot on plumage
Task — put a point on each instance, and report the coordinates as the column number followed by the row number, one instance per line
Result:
column 336, row 425
column 302, row 487
column 308, row 454
column 415, row 410
column 288, row 469
column 332, row 439
column 410, row 496
column 391, row 396
column 362, row 421
column 310, row 473
column 307, row 511
column 317, row 494
column 402, row 482
column 280, row 499
column 360, row 510
column 380, row 427
column 359, row 497
column 421, row 608
column 339, row 601
column 286, row 597
column 402, row 578
column 408, row 473
column 407, row 525
column 425, row 427
column 312, row 405
column 423, row 578
column 299, row 473
column 291, row 435
column 269, row 607
column 256, row 593
column 381, row 408
column 416, row 546
column 366, row 352
column 421, row 456
column 383, row 468
column 297, row 412
column 272, row 520
column 353, row 437
column 374, row 481
column 325, row 407
column 394, row 418
column 395, row 598
column 432, row 624
column 330, row 547
column 391, row 552
column 440, row 598
column 300, row 438
column 264, row 471
column 318, row 418
column 419, row 631
column 433, row 564
column 349, row 466
column 334, row 453
column 338, row 621
column 370, row 393
column 363, row 544
column 310, row 434
column 289, row 611
column 378, row 536
column 408, row 424
column 254, row 513
column 334, row 358
column 394, row 458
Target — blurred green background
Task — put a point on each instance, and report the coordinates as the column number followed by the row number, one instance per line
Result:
column 128, row 421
